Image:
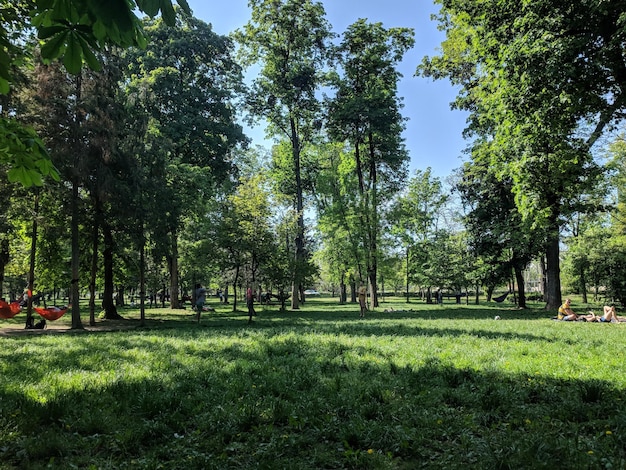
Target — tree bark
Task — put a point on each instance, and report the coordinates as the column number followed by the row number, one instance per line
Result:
column 108, row 305
column 296, row 286
column 583, row 284
column 4, row 260
column 74, row 286
column 94, row 264
column 174, row 288
column 553, row 275
column 521, row 287
column 31, row 269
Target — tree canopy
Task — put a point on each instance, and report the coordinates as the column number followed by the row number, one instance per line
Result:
column 73, row 31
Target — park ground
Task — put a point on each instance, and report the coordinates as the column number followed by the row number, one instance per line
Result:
column 409, row 386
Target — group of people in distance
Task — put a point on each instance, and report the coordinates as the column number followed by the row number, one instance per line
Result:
column 608, row 315
column 201, row 300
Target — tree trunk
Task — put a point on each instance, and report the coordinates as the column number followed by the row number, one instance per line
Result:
column 94, row 264
column 407, row 274
column 31, row 269
column 343, row 294
column 174, row 300
column 142, row 279
column 4, row 260
column 235, row 281
column 296, row 286
column 373, row 228
column 120, row 300
column 544, row 277
column 110, row 311
column 521, row 287
column 583, row 284
column 553, row 275
column 74, row 286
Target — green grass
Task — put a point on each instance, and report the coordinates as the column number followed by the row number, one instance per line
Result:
column 435, row 387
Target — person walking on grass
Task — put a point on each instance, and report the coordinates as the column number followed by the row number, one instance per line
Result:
column 200, row 300
column 362, row 300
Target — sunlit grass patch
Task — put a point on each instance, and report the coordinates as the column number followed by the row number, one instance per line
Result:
column 435, row 387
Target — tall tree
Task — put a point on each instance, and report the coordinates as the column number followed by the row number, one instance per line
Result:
column 542, row 83
column 366, row 113
column 289, row 40
column 186, row 80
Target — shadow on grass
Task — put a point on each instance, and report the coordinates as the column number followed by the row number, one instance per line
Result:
column 291, row 403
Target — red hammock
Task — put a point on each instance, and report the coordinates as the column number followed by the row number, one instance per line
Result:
column 9, row 310
column 51, row 313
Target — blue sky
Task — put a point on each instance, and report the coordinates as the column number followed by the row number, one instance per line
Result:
column 433, row 131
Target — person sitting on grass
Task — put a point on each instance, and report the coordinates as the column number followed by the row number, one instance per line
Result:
column 566, row 313
column 608, row 316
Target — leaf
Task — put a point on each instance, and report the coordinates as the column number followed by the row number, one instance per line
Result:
column 99, row 30
column 48, row 31
column 4, row 86
column 168, row 13
column 142, row 41
column 54, row 47
column 90, row 57
column 73, row 59
column 185, row 6
column 149, row 7
column 20, row 175
column 35, row 178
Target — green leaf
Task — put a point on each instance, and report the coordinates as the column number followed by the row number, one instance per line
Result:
column 4, row 86
column 185, row 6
column 149, row 7
column 90, row 57
column 54, row 47
column 20, row 175
column 142, row 41
column 48, row 31
column 99, row 30
column 73, row 59
column 168, row 13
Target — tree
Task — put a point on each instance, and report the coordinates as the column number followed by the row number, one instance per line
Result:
column 366, row 113
column 542, row 85
column 289, row 39
column 414, row 219
column 71, row 30
column 498, row 234
column 185, row 81
column 340, row 231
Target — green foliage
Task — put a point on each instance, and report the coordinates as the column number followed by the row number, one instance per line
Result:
column 541, row 87
column 73, row 30
column 289, row 39
column 414, row 219
column 498, row 234
column 25, row 154
column 442, row 387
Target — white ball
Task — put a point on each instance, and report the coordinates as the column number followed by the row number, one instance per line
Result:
column 497, row 317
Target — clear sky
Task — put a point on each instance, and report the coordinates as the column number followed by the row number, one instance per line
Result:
column 433, row 131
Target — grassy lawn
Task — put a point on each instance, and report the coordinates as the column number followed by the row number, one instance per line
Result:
column 426, row 387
